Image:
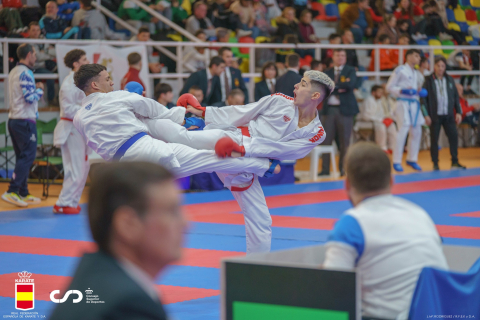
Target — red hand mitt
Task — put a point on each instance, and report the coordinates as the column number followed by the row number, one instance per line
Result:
column 189, row 99
column 387, row 122
column 225, row 146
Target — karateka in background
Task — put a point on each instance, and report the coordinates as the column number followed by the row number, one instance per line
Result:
column 74, row 148
column 405, row 85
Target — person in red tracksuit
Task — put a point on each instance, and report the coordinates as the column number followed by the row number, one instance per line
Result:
column 133, row 74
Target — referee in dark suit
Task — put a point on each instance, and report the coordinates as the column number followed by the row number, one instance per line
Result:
column 286, row 83
column 340, row 108
column 136, row 221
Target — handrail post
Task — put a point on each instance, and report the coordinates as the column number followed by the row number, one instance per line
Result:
column 180, row 66
column 251, row 70
column 377, row 65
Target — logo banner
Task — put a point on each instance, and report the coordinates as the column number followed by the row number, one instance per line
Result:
column 114, row 59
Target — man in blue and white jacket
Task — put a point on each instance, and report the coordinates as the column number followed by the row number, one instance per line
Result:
column 389, row 240
column 23, row 105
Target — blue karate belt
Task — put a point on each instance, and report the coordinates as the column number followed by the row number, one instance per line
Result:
column 414, row 123
column 127, row 144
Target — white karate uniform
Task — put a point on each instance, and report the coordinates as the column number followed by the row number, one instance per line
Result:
column 409, row 117
column 273, row 127
column 373, row 110
column 108, row 120
column 74, row 148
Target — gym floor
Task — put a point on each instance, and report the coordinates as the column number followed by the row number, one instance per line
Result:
column 49, row 246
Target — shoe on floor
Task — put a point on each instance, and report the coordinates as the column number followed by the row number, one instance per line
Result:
column 458, row 166
column 31, row 199
column 436, row 167
column 66, row 210
column 414, row 165
column 398, row 167
column 15, row 199
column 324, row 174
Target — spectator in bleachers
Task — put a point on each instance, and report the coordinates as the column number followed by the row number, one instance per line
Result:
column 374, row 110
column 352, row 59
column 387, row 60
column 287, row 24
column 433, row 26
column 403, row 40
column 316, row 65
column 440, row 106
column 136, row 16
column 67, row 9
column 198, row 20
column 223, row 35
column 269, row 79
column 197, row 93
column 462, row 60
column 197, row 58
column 389, row 27
column 408, row 11
column 10, row 16
column 88, row 17
column 404, row 28
column 286, row 83
column 333, row 38
column 133, row 73
column 261, row 20
column 231, row 78
column 281, row 54
column 23, row 107
column 45, row 62
column 179, row 15
column 357, row 18
column 273, row 9
column 388, row 240
column 340, row 109
column 306, row 28
column 246, row 13
column 208, row 80
column 153, row 61
column 470, row 113
column 163, row 93
column 53, row 26
column 236, row 97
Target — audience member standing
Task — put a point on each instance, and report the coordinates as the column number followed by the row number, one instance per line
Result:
column 404, row 84
column 374, row 110
column 23, row 109
column 440, row 104
column 340, row 108
column 208, row 80
column 231, row 78
column 74, row 148
column 267, row 85
column 387, row 239
column 136, row 220
column 286, row 83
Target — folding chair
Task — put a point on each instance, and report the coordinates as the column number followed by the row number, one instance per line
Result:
column 4, row 150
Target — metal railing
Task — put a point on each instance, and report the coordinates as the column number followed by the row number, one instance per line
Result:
column 251, row 74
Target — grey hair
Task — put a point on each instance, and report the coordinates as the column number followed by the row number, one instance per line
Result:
column 322, row 80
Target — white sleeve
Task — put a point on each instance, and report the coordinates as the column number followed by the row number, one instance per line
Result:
column 69, row 103
column 150, row 108
column 281, row 150
column 237, row 115
column 392, row 85
column 339, row 255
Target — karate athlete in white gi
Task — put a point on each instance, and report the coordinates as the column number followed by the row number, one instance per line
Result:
column 404, row 84
column 276, row 127
column 108, row 122
column 73, row 146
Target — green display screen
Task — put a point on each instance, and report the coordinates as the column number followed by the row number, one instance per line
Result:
column 261, row 311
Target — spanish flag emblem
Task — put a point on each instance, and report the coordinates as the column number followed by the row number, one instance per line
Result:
column 24, row 296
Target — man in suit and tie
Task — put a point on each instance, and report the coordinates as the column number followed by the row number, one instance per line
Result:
column 236, row 97
column 208, row 80
column 286, row 83
column 231, row 78
column 136, row 220
column 340, row 108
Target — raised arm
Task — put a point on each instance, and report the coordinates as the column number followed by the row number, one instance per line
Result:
column 151, row 109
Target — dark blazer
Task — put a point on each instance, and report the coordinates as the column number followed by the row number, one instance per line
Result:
column 261, row 90
column 124, row 298
column 219, row 104
column 430, row 102
column 348, row 102
column 285, row 84
column 238, row 83
column 199, row 78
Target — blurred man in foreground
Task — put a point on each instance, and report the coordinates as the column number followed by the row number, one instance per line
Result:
column 136, row 220
column 389, row 240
